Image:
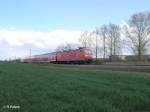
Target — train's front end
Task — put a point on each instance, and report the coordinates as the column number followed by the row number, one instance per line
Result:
column 88, row 56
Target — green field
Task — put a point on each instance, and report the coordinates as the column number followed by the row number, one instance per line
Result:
column 52, row 88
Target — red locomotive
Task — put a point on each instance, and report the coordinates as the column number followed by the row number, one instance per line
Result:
column 81, row 55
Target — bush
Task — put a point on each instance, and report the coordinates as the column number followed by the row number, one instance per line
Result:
column 100, row 61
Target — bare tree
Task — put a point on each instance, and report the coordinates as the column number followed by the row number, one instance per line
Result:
column 103, row 33
column 138, row 33
column 96, row 41
column 113, row 36
column 85, row 40
column 97, row 44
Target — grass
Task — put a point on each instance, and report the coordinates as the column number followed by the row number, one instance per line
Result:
column 37, row 88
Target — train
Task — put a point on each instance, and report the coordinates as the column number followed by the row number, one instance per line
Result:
column 79, row 56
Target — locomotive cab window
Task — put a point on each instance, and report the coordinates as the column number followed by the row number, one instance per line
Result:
column 88, row 51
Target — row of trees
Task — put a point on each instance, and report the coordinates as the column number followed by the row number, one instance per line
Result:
column 109, row 39
column 106, row 42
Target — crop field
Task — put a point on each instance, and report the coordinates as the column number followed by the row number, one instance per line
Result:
column 52, row 88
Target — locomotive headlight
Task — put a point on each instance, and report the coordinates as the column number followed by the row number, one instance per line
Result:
column 86, row 55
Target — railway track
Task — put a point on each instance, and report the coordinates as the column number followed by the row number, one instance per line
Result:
column 116, row 67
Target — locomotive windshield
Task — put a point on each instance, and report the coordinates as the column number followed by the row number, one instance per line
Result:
column 88, row 51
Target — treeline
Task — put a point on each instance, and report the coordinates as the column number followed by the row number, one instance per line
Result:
column 110, row 39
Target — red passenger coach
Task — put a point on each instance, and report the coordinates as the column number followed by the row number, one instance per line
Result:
column 81, row 55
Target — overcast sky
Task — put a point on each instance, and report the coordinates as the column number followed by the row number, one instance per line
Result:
column 41, row 25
